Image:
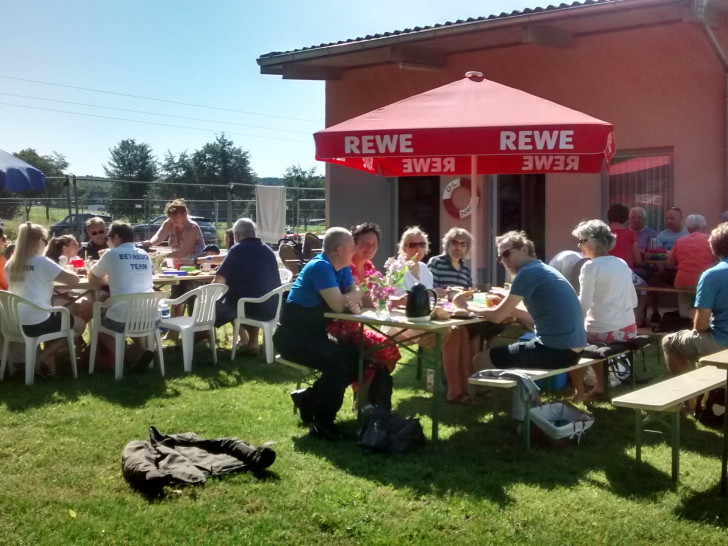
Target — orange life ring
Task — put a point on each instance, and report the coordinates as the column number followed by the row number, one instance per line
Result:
column 447, row 198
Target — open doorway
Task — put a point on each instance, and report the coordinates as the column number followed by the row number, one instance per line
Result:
column 521, row 205
column 418, row 204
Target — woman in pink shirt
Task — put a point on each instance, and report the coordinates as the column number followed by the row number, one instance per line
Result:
column 692, row 255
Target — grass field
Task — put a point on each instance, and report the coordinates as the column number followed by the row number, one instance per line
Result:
column 61, row 482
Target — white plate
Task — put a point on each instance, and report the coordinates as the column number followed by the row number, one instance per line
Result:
column 419, row 319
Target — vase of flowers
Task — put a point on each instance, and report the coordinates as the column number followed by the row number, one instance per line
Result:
column 378, row 288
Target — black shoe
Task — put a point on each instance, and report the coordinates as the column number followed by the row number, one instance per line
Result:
column 302, row 402
column 325, row 429
column 141, row 365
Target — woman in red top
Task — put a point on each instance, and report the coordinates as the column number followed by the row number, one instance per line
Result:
column 692, row 255
column 626, row 246
column 366, row 238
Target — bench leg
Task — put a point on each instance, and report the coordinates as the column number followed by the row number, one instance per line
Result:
column 638, row 434
column 676, row 446
column 527, row 423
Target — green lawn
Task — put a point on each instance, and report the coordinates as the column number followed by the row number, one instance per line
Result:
column 61, row 483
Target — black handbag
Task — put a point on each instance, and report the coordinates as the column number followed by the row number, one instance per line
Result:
column 388, row 433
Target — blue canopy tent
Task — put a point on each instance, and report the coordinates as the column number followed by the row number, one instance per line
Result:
column 17, row 175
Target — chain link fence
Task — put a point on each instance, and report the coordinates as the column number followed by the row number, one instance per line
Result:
column 303, row 213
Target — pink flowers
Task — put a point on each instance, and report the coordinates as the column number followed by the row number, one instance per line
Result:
column 377, row 286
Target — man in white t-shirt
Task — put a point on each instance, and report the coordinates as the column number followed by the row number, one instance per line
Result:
column 129, row 271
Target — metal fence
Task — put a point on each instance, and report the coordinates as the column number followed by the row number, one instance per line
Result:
column 302, row 213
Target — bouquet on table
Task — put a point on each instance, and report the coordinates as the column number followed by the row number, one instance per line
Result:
column 380, row 286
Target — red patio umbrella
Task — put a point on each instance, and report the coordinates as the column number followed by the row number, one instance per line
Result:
column 470, row 126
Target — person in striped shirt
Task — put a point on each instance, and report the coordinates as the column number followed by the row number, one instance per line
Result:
column 449, row 268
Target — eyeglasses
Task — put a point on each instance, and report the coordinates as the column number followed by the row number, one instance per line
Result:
column 506, row 253
column 72, row 244
column 421, row 244
column 582, row 241
column 459, row 243
column 94, row 233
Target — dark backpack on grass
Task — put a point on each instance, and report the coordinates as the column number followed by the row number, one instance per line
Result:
column 710, row 409
column 385, row 432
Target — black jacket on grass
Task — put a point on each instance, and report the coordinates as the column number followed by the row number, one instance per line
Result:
column 186, row 458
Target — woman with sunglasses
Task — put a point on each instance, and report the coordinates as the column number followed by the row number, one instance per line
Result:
column 31, row 276
column 456, row 351
column 552, row 309
column 413, row 246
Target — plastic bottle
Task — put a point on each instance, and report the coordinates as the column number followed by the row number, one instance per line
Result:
column 63, row 261
column 207, row 264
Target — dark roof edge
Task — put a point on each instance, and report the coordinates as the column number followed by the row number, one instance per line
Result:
column 448, row 29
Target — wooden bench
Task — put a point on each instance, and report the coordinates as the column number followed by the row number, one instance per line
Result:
column 667, row 397
column 536, row 375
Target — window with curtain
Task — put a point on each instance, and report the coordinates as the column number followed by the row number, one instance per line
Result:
column 642, row 178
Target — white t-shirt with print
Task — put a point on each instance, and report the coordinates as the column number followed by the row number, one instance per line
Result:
column 40, row 272
column 130, row 272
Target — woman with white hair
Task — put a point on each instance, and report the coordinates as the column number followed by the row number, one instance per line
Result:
column 691, row 255
column 606, row 294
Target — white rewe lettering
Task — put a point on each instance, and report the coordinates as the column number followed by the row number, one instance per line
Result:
column 550, row 163
column 434, row 165
column 524, row 140
column 378, row 144
column 537, row 140
column 351, row 145
column 507, row 140
column 545, row 139
column 386, row 143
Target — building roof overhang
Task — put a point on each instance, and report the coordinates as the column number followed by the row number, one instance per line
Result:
column 428, row 48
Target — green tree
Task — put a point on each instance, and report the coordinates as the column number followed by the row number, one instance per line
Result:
column 303, row 181
column 52, row 165
column 134, row 162
column 221, row 163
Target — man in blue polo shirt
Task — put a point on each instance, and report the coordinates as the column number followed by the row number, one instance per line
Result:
column 710, row 325
column 324, row 284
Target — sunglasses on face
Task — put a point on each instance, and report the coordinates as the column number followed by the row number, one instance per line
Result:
column 417, row 245
column 506, row 253
column 461, row 244
column 94, row 233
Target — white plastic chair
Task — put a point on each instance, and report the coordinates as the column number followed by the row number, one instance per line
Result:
column 285, row 275
column 13, row 333
column 267, row 326
column 141, row 321
column 201, row 320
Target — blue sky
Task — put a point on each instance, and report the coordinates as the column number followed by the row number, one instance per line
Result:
column 200, row 55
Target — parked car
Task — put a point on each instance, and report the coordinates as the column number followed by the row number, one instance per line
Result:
column 78, row 222
column 143, row 232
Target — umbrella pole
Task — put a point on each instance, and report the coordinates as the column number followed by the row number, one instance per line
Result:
column 474, row 208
